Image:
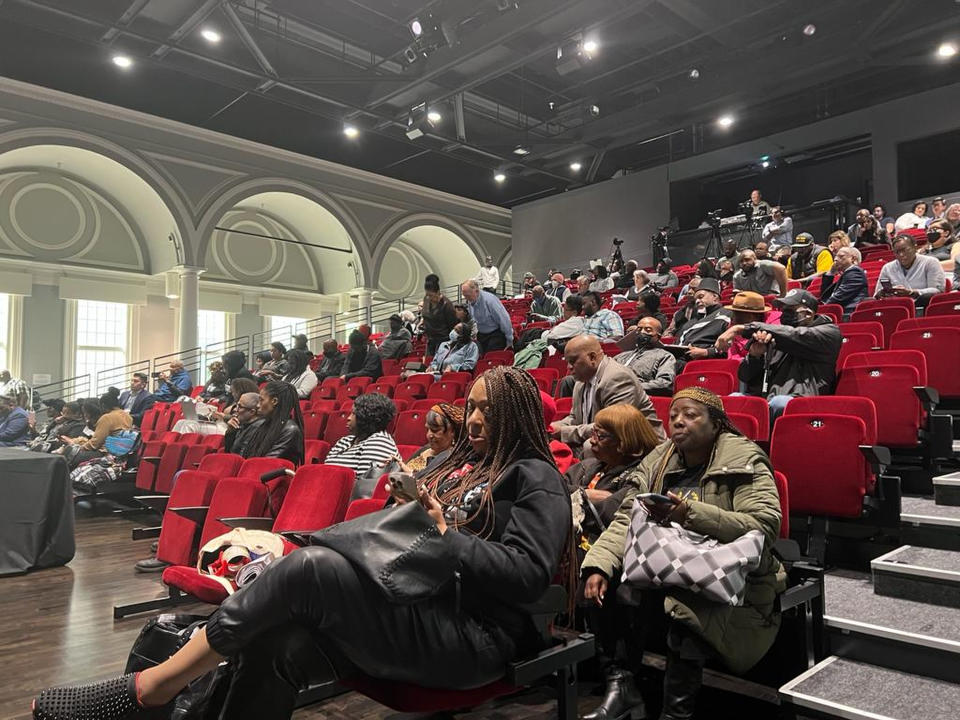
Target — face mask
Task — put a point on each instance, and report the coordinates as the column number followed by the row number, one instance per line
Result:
column 789, row 318
column 454, row 336
column 644, row 341
column 933, row 235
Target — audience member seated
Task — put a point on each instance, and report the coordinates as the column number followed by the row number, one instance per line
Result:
column 649, row 306
column 708, row 321
column 397, row 343
column 68, row 423
column 299, row 374
column 300, row 343
column 235, row 365
column 641, row 286
column 529, row 282
column 138, row 399
column 215, row 389
column 654, row 367
column 583, row 284
column 808, row 259
column 557, row 287
column 687, row 310
column 279, row 430
column 845, row 283
column 779, row 231
column 664, row 277
column 462, row 313
column 509, row 513
column 458, row 354
column 243, row 424
column 362, row 359
column 494, row 330
column 937, row 208
column 260, row 360
column 213, row 421
column 276, row 367
column 368, row 446
column 600, row 323
column 941, row 236
column 602, row 282
column 762, row 250
column 766, row 277
column 437, row 314
column 885, row 221
column 916, row 218
column 14, row 423
column 444, row 423
column 910, row 275
column 865, row 230
column 332, row 364
column 627, row 277
column 571, row 324
column 39, row 426
column 544, row 307
column 747, row 307
column 721, row 485
column 600, row 383
column 797, row 358
column 16, row 388
column 622, row 437
column 173, row 383
column 114, row 418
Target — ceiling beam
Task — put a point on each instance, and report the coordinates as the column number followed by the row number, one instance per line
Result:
column 247, row 39
column 128, row 17
column 187, row 26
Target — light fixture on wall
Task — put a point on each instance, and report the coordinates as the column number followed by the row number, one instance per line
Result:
column 171, row 283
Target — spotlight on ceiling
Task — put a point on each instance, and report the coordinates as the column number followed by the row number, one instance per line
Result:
column 351, row 131
column 809, row 29
column 521, row 150
column 499, row 176
column 947, row 50
column 594, row 110
column 416, row 27
column 551, row 105
column 505, row 5
column 574, row 54
column 122, row 61
column 411, row 54
column 575, row 166
column 725, row 121
column 421, row 120
column 590, row 47
column 694, row 74
column 210, row 35
column 765, row 164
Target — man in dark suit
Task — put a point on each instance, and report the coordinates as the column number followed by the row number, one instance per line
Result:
column 845, row 283
column 600, row 383
column 138, row 399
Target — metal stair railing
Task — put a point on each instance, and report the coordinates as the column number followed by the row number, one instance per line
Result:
column 72, row 388
column 119, row 377
column 214, row 351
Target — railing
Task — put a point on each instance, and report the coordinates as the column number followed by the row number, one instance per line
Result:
column 214, row 351
column 72, row 388
column 192, row 360
column 119, row 376
column 317, row 330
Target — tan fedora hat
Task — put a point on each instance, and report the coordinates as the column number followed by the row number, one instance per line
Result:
column 748, row 302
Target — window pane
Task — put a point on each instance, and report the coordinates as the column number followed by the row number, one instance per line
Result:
column 101, row 337
column 4, row 328
column 211, row 330
column 282, row 328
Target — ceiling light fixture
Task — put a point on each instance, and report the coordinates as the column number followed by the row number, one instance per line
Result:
column 725, row 121
column 694, row 74
column 575, row 53
column 590, row 47
column 594, row 110
column 575, row 166
column 434, row 117
column 421, row 120
column 350, row 131
column 416, row 27
column 765, row 164
column 521, row 150
column 210, row 35
column 122, row 61
column 947, row 50
column 809, row 29
column 499, row 176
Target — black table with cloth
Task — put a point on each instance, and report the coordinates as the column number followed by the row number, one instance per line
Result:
column 36, row 511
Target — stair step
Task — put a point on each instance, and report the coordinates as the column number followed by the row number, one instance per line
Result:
column 924, row 512
column 918, row 573
column 842, row 688
column 946, row 489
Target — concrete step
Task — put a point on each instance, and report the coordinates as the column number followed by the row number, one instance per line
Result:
column 893, row 632
column 843, row 688
column 946, row 489
column 924, row 512
column 921, row 574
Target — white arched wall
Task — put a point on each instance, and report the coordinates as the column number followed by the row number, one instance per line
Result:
column 256, row 261
column 67, row 204
column 419, row 251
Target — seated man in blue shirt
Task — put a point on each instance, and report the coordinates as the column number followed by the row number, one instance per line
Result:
column 173, row 383
column 14, row 423
column 494, row 330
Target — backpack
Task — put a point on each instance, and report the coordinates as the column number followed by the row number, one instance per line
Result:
column 121, row 443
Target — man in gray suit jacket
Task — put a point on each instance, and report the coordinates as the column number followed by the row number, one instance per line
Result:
column 601, row 382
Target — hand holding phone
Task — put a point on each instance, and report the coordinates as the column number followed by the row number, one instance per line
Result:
column 403, row 486
column 886, row 286
column 656, row 499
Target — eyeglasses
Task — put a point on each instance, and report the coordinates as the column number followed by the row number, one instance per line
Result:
column 601, row 435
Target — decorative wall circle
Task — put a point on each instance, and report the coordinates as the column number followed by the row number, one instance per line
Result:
column 398, row 275
column 246, row 258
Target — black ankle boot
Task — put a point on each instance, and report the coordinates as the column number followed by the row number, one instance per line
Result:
column 681, row 685
column 622, row 699
column 114, row 699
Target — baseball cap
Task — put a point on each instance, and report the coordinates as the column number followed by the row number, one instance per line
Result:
column 802, row 240
column 795, row 298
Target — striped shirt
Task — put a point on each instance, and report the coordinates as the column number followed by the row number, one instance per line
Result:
column 375, row 451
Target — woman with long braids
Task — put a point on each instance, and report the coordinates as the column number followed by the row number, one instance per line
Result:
column 280, row 433
column 720, row 485
column 503, row 510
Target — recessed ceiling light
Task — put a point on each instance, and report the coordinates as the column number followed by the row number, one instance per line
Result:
column 590, row 47
column 521, row 150
column 575, row 166
column 350, row 131
column 122, row 61
column 809, row 29
column 594, row 110
column 947, row 50
column 725, row 121
column 416, row 27
column 434, row 117
column 499, row 176
column 694, row 74
column 210, row 35
column 765, row 164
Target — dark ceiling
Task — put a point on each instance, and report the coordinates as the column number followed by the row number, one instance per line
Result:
column 291, row 73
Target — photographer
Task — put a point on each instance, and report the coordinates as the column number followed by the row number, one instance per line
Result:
column 172, row 383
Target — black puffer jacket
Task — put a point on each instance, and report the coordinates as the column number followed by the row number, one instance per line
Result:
column 802, row 360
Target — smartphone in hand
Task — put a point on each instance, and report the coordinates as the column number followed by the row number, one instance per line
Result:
column 657, row 499
column 404, row 486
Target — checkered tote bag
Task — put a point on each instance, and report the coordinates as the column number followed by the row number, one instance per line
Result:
column 658, row 556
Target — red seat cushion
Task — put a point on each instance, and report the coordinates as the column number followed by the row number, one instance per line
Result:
column 187, row 579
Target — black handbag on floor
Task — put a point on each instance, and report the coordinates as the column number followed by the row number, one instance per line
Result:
column 399, row 548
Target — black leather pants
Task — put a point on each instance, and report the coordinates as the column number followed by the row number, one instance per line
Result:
column 311, row 610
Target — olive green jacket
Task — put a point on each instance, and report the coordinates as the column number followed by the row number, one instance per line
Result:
column 738, row 494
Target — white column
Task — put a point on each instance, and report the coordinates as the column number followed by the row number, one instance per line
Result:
column 364, row 299
column 189, row 306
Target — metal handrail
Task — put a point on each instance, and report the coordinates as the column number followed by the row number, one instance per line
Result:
column 72, row 388
column 214, row 351
column 117, row 376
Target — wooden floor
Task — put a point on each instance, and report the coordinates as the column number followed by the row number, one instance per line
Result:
column 57, row 628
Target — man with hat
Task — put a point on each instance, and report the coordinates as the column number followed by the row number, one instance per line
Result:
column 710, row 320
column 797, row 358
column 747, row 307
column 397, row 343
column 808, row 259
column 766, row 277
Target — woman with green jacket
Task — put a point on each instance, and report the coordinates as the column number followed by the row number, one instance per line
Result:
column 721, row 485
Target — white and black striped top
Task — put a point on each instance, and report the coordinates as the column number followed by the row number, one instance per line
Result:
column 376, row 450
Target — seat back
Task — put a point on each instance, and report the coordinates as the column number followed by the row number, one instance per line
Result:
column 195, row 453
column 149, row 420
column 170, row 463
column 214, row 442
column 178, row 535
column 861, row 407
column 445, row 391
column 314, row 424
column 947, row 303
column 147, row 470
column 462, row 377
column 890, row 357
column 747, row 405
column 887, row 315
column 899, row 413
column 904, row 302
column 854, row 343
column 384, row 388
column 833, row 310
column 364, row 506
column 317, row 498
column 857, row 328
column 564, row 407
column 930, row 320
column 731, row 367
column 941, row 347
column 253, row 468
column 337, row 426
column 812, row 491
column 233, row 497
column 720, row 383
column 411, row 428
column 746, row 424
column 221, row 464
column 315, row 451
column 662, row 406
column 410, row 391
column 783, row 490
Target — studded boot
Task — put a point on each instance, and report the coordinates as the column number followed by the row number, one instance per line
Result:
column 114, row 699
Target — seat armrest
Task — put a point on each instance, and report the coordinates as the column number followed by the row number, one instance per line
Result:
column 248, row 523
column 929, row 397
column 194, row 513
column 877, row 455
column 154, row 502
column 297, row 537
column 150, row 458
column 568, row 650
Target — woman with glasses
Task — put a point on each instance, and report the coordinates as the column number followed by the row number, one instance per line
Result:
column 621, row 438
